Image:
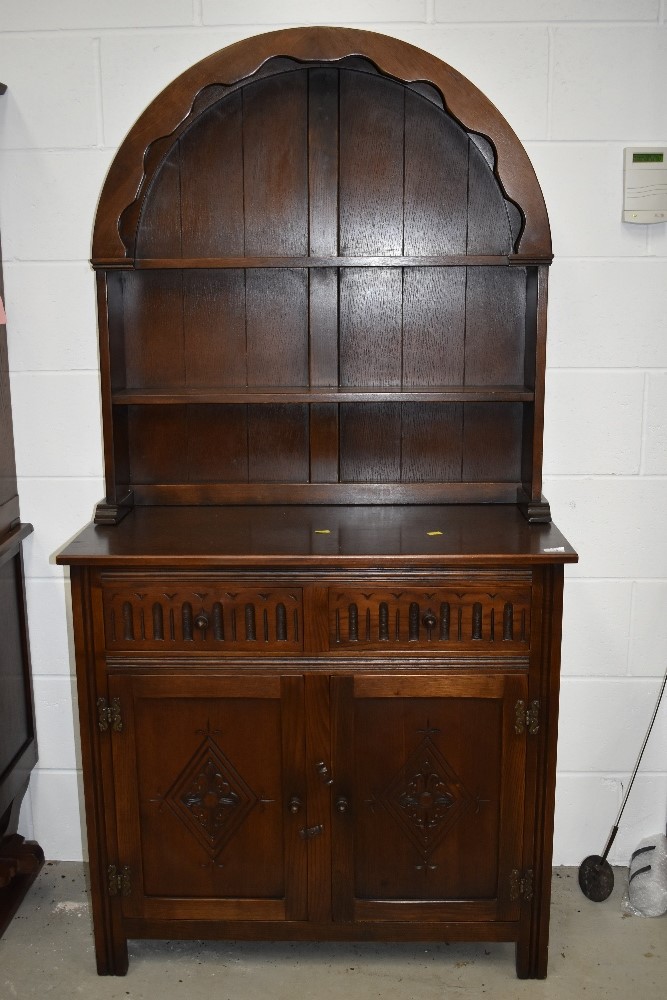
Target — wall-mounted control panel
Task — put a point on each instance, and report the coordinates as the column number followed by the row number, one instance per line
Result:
column 645, row 184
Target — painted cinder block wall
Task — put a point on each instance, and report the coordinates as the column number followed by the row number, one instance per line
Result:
column 578, row 80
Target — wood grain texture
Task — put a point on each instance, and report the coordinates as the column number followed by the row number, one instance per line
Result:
column 371, row 165
column 436, row 180
column 154, row 349
column 275, row 165
column 214, row 328
column 495, row 326
column 370, row 327
column 434, row 319
column 211, row 182
column 277, row 327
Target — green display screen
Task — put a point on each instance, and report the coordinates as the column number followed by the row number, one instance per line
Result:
column 647, row 157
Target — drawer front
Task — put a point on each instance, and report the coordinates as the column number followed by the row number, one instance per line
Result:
column 163, row 616
column 431, row 620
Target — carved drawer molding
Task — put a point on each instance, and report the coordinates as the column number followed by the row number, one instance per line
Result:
column 162, row 616
column 436, row 620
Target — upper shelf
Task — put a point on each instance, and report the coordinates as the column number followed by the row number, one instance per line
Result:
column 325, row 394
column 442, row 260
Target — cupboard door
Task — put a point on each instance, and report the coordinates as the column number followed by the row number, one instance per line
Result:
column 208, row 775
column 429, row 797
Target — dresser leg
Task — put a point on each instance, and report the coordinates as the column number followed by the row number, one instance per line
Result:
column 531, row 959
column 112, row 958
column 20, row 863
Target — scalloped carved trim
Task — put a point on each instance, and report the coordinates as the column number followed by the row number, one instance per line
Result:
column 183, row 101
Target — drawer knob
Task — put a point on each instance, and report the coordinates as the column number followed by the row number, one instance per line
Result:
column 429, row 620
column 294, row 805
column 201, row 621
column 342, row 804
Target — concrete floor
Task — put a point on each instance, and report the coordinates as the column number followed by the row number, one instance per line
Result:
column 595, row 952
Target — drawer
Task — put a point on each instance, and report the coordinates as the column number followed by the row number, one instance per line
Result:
column 163, row 616
column 431, row 620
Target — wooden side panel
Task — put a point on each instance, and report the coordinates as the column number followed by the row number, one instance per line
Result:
column 16, row 722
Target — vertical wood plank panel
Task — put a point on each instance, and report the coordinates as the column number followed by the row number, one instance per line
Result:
column 495, row 325
column 370, row 442
column 488, row 220
column 370, row 326
column 431, row 442
column 323, row 324
column 371, row 165
column 157, row 442
column 324, row 443
column 277, row 326
column 153, row 306
column 433, row 325
column 212, row 182
column 217, row 444
column 214, row 328
column 278, row 443
column 436, row 180
column 275, row 160
column 492, row 442
column 159, row 229
column 323, row 161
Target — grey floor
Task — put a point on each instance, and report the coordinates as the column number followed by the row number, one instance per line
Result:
column 596, row 952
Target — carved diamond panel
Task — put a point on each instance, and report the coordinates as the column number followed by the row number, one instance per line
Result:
column 426, row 798
column 210, row 797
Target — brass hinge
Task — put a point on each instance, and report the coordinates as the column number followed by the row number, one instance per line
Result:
column 527, row 717
column 118, row 881
column 521, row 886
column 109, row 715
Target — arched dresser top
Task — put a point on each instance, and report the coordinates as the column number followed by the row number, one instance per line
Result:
column 184, row 103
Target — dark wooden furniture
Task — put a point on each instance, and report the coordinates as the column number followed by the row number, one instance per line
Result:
column 317, row 619
column 20, row 860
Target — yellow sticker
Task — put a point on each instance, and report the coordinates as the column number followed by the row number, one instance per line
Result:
column 322, row 531
column 431, row 534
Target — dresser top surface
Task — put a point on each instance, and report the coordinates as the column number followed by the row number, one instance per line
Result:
column 320, row 535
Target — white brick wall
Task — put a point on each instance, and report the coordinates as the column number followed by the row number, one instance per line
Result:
column 578, row 80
